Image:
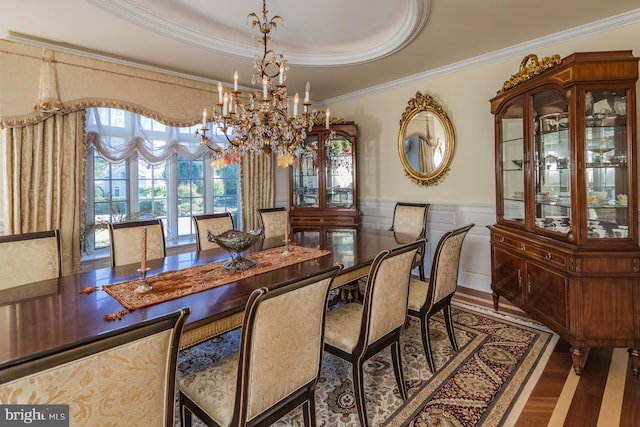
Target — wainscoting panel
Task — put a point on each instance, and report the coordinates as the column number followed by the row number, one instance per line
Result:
column 475, row 268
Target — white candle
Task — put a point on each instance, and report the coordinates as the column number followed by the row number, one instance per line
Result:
column 235, row 81
column 281, row 74
column 328, row 115
column 264, row 87
column 286, row 226
column 219, row 93
column 225, row 104
column 296, row 99
column 306, row 93
column 143, row 250
column 204, row 118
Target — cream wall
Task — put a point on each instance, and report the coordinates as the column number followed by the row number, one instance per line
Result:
column 464, row 94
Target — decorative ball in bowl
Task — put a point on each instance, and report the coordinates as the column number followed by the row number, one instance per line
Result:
column 236, row 241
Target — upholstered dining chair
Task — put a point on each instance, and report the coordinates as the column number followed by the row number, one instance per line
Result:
column 126, row 238
column 29, row 257
column 355, row 332
column 426, row 298
column 277, row 367
column 123, row 377
column 410, row 223
column 217, row 223
column 274, row 221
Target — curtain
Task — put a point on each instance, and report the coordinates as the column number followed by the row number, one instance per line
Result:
column 44, row 176
column 257, row 186
column 117, row 144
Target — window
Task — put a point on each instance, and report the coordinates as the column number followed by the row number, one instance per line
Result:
column 138, row 168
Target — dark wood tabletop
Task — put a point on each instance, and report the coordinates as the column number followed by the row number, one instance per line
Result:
column 53, row 313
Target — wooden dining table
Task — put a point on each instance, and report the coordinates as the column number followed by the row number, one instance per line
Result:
column 56, row 313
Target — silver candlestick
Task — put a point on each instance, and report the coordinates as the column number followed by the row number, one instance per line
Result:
column 143, row 286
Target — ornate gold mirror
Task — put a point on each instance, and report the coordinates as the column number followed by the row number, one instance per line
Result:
column 426, row 141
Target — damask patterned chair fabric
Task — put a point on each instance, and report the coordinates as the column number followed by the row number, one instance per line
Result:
column 274, row 221
column 214, row 223
column 126, row 238
column 29, row 257
column 277, row 367
column 410, row 223
column 355, row 332
column 122, row 378
column 426, row 298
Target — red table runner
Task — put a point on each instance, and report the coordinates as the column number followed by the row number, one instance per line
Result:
column 175, row 284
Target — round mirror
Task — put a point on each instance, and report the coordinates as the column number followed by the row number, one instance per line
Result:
column 426, row 141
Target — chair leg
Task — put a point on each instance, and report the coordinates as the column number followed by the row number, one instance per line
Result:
column 426, row 343
column 448, row 321
column 185, row 419
column 421, row 271
column 396, row 358
column 309, row 413
column 358, row 392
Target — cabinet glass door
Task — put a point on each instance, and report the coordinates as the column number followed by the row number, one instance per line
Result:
column 513, row 160
column 606, row 174
column 339, row 173
column 305, row 176
column 552, row 165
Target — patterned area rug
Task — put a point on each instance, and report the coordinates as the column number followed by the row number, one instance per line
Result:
column 485, row 383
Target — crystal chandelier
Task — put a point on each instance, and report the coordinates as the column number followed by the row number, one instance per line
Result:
column 264, row 123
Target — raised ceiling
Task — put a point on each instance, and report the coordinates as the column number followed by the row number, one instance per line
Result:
column 339, row 46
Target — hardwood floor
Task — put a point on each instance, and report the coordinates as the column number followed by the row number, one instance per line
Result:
column 605, row 395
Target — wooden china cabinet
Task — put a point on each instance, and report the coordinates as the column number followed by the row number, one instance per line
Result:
column 565, row 244
column 323, row 185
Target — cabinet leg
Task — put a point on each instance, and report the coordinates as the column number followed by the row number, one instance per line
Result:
column 634, row 353
column 496, row 300
column 577, row 356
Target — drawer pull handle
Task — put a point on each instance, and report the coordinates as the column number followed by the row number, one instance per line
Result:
column 522, row 246
column 529, row 284
column 501, row 239
column 548, row 255
column 519, row 279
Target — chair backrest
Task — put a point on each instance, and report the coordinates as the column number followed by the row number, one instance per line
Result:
column 123, row 377
column 443, row 280
column 274, row 221
column 29, row 257
column 126, row 239
column 216, row 223
column 410, row 219
column 387, row 292
column 281, row 344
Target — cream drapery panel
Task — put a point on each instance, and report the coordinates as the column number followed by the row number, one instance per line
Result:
column 44, row 181
column 257, row 186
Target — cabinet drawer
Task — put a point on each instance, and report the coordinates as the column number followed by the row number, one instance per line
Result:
column 544, row 254
column 533, row 250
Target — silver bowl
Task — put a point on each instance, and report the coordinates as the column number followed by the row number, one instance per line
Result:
column 236, row 241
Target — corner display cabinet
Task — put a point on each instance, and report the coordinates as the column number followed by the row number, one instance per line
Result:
column 323, row 185
column 565, row 245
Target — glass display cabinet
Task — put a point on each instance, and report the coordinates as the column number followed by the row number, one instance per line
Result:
column 565, row 244
column 323, row 182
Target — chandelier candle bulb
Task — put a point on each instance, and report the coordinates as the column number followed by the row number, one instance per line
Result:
column 281, row 74
column 328, row 115
column 204, row 118
column 235, row 81
column 219, row 93
column 306, row 93
column 225, row 105
column 296, row 99
column 265, row 84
